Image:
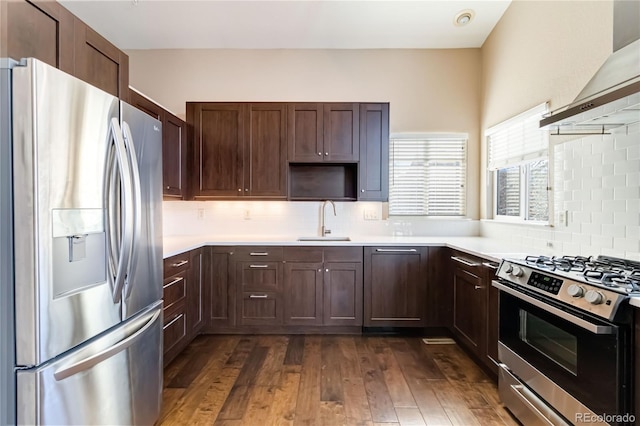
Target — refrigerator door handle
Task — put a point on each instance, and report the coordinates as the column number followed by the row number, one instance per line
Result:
column 120, row 228
column 87, row 363
column 137, row 201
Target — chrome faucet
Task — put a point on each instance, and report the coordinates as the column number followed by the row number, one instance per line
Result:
column 323, row 229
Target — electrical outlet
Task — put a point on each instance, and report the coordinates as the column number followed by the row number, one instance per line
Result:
column 200, row 214
column 371, row 214
column 563, row 218
column 247, row 214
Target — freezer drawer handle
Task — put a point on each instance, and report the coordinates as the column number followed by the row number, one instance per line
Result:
column 258, row 296
column 95, row 359
column 259, row 253
column 258, row 266
column 396, row 250
column 177, row 265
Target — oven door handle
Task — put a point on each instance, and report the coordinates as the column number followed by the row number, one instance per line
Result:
column 595, row 329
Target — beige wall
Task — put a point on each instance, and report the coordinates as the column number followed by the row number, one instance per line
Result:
column 429, row 90
column 542, row 51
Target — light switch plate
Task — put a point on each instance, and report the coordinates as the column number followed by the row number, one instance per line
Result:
column 371, row 214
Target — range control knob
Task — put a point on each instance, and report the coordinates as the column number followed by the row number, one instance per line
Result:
column 594, row 297
column 575, row 290
column 517, row 271
column 508, row 268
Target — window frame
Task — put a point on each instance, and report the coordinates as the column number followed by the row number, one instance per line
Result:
column 459, row 137
column 523, row 160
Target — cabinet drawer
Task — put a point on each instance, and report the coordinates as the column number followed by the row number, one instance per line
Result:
column 258, row 253
column 176, row 264
column 174, row 328
column 303, row 254
column 343, row 254
column 174, row 289
column 261, row 308
column 259, row 275
column 467, row 263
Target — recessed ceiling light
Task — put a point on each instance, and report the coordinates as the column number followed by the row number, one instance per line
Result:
column 463, row 17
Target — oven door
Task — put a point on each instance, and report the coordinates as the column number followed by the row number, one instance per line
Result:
column 582, row 355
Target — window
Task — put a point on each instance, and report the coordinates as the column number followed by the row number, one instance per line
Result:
column 428, row 175
column 519, row 165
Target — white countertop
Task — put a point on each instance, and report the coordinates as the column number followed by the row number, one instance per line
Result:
column 480, row 246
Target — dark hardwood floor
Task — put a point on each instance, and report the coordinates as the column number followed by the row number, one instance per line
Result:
column 327, row 380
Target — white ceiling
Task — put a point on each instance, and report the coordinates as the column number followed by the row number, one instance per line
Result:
column 293, row 24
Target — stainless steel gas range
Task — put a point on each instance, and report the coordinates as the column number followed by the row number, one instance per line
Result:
column 566, row 341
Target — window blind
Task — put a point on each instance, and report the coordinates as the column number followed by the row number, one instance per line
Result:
column 428, row 176
column 518, row 139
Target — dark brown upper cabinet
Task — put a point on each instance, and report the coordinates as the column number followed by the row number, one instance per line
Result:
column 39, row 29
column 320, row 132
column 174, row 146
column 47, row 31
column 99, row 62
column 239, row 150
column 373, row 170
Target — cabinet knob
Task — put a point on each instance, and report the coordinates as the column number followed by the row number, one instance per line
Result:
column 362, row 190
column 320, row 153
column 326, row 270
column 246, row 190
column 478, row 287
column 326, row 153
column 239, row 189
column 168, row 187
column 320, row 270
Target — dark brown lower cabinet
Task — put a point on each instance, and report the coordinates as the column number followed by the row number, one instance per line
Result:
column 175, row 291
column 395, row 290
column 493, row 313
column 259, row 285
column 195, row 307
column 220, row 293
column 342, row 293
column 303, row 293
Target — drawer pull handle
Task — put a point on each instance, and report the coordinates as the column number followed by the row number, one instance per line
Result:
column 478, row 287
column 381, row 250
column 258, row 266
column 177, row 280
column 176, row 318
column 259, row 253
column 464, row 261
column 258, row 296
column 490, row 265
column 176, row 265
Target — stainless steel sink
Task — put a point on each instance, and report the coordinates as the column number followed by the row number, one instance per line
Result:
column 324, row 239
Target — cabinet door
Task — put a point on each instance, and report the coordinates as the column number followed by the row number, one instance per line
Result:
column 440, row 288
column 374, row 153
column 218, row 142
column 174, row 332
column 39, row 29
column 343, row 293
column 469, row 301
column 302, row 293
column 220, row 290
column 195, row 311
column 341, row 132
column 305, row 132
column 395, row 286
column 99, row 62
column 174, row 156
column 265, row 163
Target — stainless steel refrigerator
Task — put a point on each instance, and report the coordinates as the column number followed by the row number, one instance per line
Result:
column 81, row 260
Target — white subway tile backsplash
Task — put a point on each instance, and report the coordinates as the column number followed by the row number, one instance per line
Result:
column 614, row 206
column 623, row 141
column 614, row 230
column 614, row 155
column 627, row 166
column 611, row 181
column 628, row 218
column 601, row 218
column 627, row 193
column 633, row 152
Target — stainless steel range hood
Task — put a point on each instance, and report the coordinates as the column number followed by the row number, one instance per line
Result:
column 611, row 99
